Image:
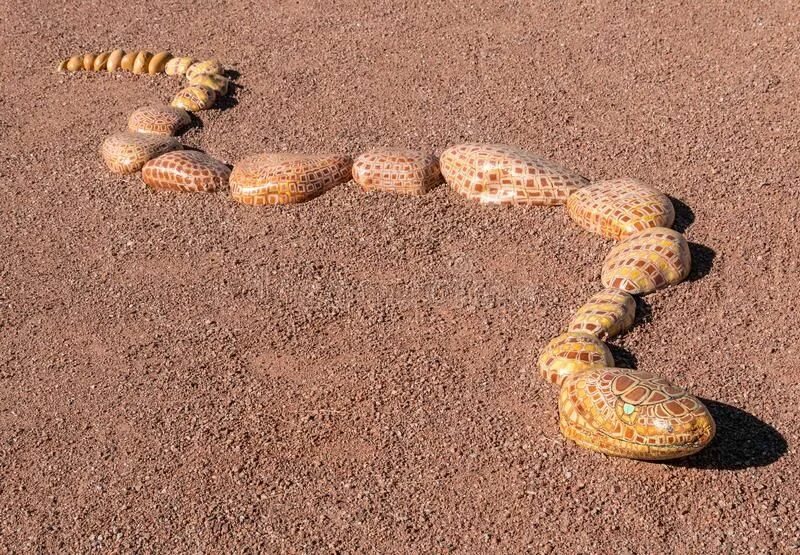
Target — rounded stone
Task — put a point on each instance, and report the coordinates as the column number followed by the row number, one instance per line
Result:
column 114, row 61
column 397, row 170
column 571, row 353
column 203, row 68
column 88, row 61
column 647, row 260
column 501, row 174
column 157, row 62
column 605, row 315
column 634, row 414
column 617, row 208
column 194, row 98
column 178, row 66
column 186, row 171
column 127, row 152
column 160, row 120
column 100, row 61
column 214, row 81
column 142, row 62
column 285, row 178
column 127, row 61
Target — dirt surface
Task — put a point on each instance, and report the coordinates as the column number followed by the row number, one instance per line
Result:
column 182, row 374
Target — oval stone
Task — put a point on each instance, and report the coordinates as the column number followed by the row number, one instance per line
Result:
column 397, row 170
column 634, row 414
column 501, row 174
column 185, row 171
column 572, row 353
column 127, row 152
column 178, row 66
column 204, row 67
column 194, row 98
column 647, row 260
column 605, row 315
column 285, row 178
column 161, row 120
column 616, row 208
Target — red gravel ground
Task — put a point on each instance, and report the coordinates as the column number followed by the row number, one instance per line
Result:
column 182, row 374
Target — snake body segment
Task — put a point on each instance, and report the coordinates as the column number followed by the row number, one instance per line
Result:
column 571, row 353
column 402, row 171
column 185, row 171
column 194, row 98
column 160, row 120
column 647, row 260
column 616, row 208
column 282, row 178
column 501, row 174
column 634, row 414
column 605, row 315
column 127, row 152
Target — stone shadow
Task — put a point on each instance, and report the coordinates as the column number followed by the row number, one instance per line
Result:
column 702, row 261
column 742, row 441
column 684, row 215
column 229, row 100
column 623, row 358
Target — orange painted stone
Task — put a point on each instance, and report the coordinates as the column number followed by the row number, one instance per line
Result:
column 647, row 260
column 634, row 414
column 285, row 178
column 616, row 208
column 501, row 174
column 161, row 120
column 127, row 152
column 396, row 170
column 186, row 171
column 605, row 315
column 572, row 353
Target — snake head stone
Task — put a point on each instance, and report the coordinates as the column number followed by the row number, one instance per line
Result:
column 633, row 414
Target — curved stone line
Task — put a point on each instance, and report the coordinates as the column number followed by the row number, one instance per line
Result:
column 646, row 419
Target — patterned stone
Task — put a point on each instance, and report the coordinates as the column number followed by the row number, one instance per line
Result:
column 572, row 353
column 214, row 81
column 178, row 66
column 605, row 315
column 647, row 260
column 204, row 68
column 616, row 208
column 194, row 98
column 284, row 178
column 185, row 171
column 500, row 174
column 397, row 170
column 634, row 414
column 160, row 120
column 127, row 152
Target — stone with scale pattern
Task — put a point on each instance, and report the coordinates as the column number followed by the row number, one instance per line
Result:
column 571, row 353
column 160, row 120
column 185, row 171
column 606, row 314
column 634, row 414
column 647, row 260
column 616, row 208
column 285, row 178
column 501, row 174
column 127, row 152
column 397, row 170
